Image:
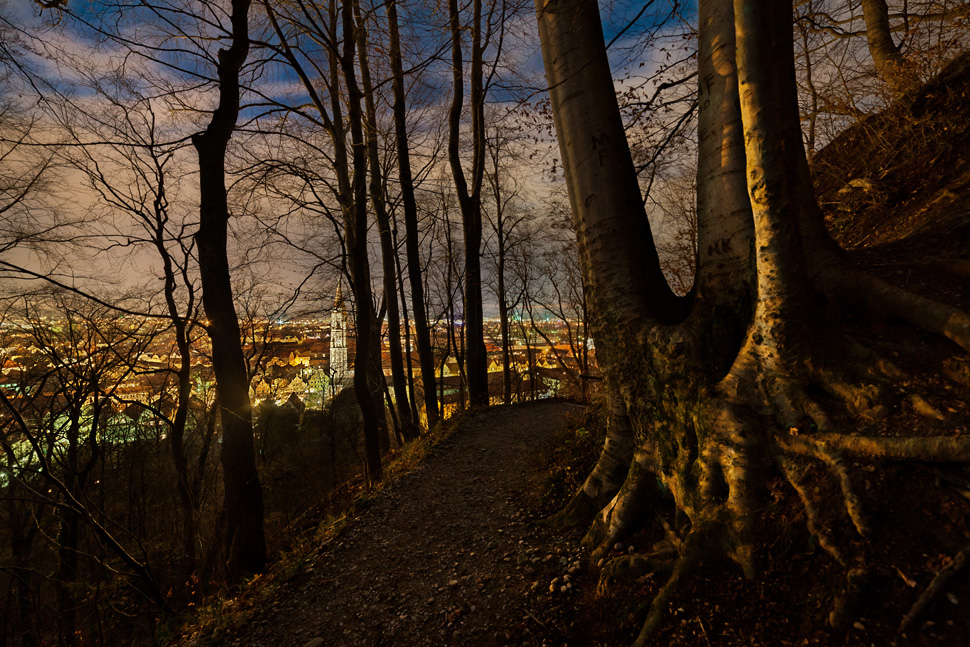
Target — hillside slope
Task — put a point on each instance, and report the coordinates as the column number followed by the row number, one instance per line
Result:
column 900, row 180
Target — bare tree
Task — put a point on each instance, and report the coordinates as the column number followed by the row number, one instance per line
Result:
column 246, row 544
column 508, row 217
column 469, row 193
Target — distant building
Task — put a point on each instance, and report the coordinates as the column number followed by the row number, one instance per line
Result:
column 341, row 373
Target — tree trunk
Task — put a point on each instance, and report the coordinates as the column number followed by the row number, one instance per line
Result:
column 23, row 618
column 378, row 386
column 469, row 197
column 724, row 283
column 66, row 576
column 186, row 501
column 421, row 332
column 401, row 401
column 503, row 315
column 246, row 544
column 355, row 218
column 889, row 62
column 501, row 229
column 406, row 320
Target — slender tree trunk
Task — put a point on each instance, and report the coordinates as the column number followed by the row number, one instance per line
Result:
column 20, row 543
column 503, row 315
column 421, row 332
column 245, row 541
column 356, row 235
column 501, row 236
column 469, row 197
column 188, row 507
column 66, row 576
column 23, row 529
column 406, row 320
column 402, row 403
column 378, row 386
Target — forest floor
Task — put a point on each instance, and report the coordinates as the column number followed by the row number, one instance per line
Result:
column 454, row 553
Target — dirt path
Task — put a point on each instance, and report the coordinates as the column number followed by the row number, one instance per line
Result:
column 444, row 556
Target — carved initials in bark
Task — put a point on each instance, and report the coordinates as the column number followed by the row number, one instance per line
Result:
column 721, row 246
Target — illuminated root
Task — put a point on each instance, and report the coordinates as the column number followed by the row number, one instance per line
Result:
column 853, row 506
column 798, row 479
column 624, row 513
column 579, row 511
column 867, row 402
column 942, row 578
column 632, row 567
column 950, row 449
column 744, row 486
column 845, row 605
column 604, row 482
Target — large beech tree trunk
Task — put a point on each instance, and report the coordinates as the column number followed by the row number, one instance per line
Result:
column 245, row 541
column 709, row 386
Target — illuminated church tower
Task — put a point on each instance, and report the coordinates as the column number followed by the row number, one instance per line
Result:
column 339, row 360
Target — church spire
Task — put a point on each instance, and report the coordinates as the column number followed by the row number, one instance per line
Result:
column 338, row 300
column 339, row 329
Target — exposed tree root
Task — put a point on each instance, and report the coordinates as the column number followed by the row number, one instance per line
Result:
column 851, row 287
column 867, row 402
column 632, row 567
column 853, row 506
column 942, row 578
column 734, row 454
column 624, row 513
column 743, row 474
column 604, row 482
column 798, row 479
column 845, row 605
column 951, row 449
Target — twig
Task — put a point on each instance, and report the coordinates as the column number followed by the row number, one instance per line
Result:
column 540, row 622
column 703, row 630
column 942, row 578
